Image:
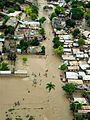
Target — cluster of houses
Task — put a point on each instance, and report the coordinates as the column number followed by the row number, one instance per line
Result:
column 24, row 29
column 77, row 59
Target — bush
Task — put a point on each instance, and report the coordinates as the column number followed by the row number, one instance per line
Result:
column 70, row 23
column 63, row 67
column 77, row 13
column 4, row 66
column 59, row 50
column 56, row 42
column 11, row 10
column 69, row 88
column 24, row 59
column 76, row 32
column 81, row 41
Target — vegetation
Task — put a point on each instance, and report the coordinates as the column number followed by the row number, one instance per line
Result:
column 56, row 42
column 70, row 23
column 69, row 88
column 53, row 15
column 42, row 31
column 32, row 11
column 24, row 59
column 42, row 20
column 50, row 86
column 43, row 50
column 76, row 32
column 59, row 50
column 75, row 106
column 63, row 67
column 87, row 17
column 11, row 10
column 81, row 41
column 24, row 44
column 77, row 13
column 4, row 66
column 59, row 10
column 9, row 30
column 79, row 117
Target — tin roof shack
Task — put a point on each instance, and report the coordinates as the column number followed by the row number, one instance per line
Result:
column 83, row 101
column 71, row 75
column 14, row 14
column 28, row 30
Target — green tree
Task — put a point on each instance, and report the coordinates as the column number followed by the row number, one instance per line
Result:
column 42, row 31
column 87, row 17
column 88, row 22
column 69, row 88
column 59, row 10
column 77, row 13
column 33, row 16
column 20, row 1
column 53, row 15
column 50, row 86
column 70, row 23
column 4, row 66
column 9, row 30
column 2, row 4
column 63, row 67
column 42, row 20
column 81, row 41
column 59, row 50
column 35, row 42
column 11, row 10
column 67, row 1
column 88, row 115
column 43, row 50
column 75, row 106
column 56, row 42
column 76, row 32
column 79, row 117
column 32, row 11
column 24, row 59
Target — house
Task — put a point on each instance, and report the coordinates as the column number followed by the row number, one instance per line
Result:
column 30, row 23
column 71, row 75
column 86, row 78
column 14, row 14
column 84, row 66
column 78, row 81
column 86, row 34
column 83, row 101
column 5, row 72
column 84, row 112
column 68, row 57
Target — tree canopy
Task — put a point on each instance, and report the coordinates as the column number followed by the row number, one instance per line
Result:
column 70, row 23
column 59, row 50
column 69, row 88
column 63, row 67
column 59, row 10
column 4, row 66
column 50, row 86
column 77, row 13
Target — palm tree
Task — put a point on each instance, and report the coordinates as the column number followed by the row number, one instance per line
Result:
column 50, row 86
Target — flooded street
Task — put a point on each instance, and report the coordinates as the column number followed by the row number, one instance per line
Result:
column 35, row 100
